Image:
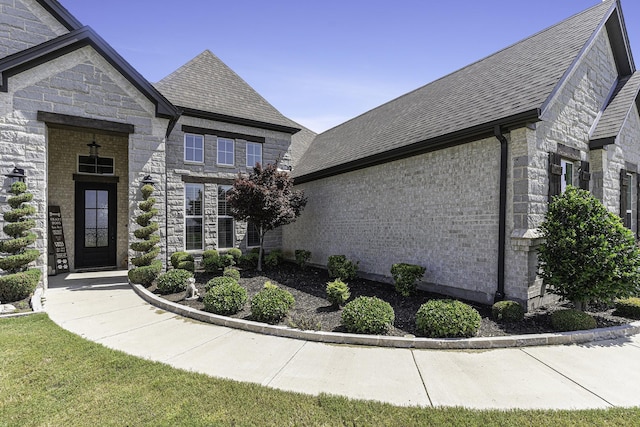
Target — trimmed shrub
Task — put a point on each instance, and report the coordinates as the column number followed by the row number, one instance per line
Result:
column 173, row 281
column 629, row 307
column 216, row 281
column 146, row 262
column 302, row 257
column 183, row 260
column 274, row 258
column 271, row 304
column 211, row 261
column 368, row 315
column 507, row 311
column 231, row 272
column 235, row 253
column 338, row 292
column 17, row 286
column 225, row 299
column 145, row 275
column 339, row 267
column 405, row 277
column 249, row 261
column 572, row 320
column 447, row 318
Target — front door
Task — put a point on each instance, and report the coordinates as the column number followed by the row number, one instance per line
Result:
column 95, row 240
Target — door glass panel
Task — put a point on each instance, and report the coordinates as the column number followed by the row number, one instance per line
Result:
column 103, row 199
column 102, row 239
column 103, row 218
column 90, row 238
column 90, row 199
column 90, row 218
column 96, row 215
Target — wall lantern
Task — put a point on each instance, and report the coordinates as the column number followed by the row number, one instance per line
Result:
column 93, row 149
column 148, row 180
column 16, row 175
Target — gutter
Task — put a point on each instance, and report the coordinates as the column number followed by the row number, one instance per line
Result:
column 502, row 221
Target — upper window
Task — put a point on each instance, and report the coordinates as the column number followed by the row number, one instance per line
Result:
column 95, row 165
column 254, row 154
column 193, row 148
column 193, row 194
column 567, row 174
column 225, row 151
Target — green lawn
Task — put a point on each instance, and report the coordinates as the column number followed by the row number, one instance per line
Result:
column 49, row 376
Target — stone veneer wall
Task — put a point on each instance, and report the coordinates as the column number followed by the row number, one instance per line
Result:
column 438, row 210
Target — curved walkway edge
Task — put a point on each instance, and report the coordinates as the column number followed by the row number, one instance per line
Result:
column 563, row 338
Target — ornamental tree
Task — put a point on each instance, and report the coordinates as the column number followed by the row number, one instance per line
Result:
column 147, row 267
column 588, row 254
column 266, row 198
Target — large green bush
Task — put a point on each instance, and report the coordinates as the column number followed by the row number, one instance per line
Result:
column 20, row 280
column 339, row 267
column 225, row 299
column 447, row 319
column 337, row 292
column 147, row 267
column 507, row 311
column 587, row 253
column 405, row 277
column 173, row 281
column 217, row 281
column 231, row 272
column 571, row 320
column 183, row 260
column 271, row 304
column 628, row 307
column 368, row 315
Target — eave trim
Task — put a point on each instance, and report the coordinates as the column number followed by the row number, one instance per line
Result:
column 192, row 112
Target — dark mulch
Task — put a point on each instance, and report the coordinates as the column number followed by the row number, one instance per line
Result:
column 313, row 311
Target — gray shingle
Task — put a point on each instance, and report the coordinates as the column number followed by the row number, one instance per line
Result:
column 514, row 80
column 615, row 114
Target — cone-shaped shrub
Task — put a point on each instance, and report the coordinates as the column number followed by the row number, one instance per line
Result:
column 147, row 267
column 20, row 280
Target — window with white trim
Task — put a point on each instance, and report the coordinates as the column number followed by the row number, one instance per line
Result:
column 253, row 235
column 567, row 174
column 193, row 200
column 193, row 148
column 254, row 154
column 226, row 238
column 225, row 152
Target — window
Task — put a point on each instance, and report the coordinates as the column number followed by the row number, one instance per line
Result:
column 253, row 235
column 225, row 220
column 193, row 148
column 225, row 152
column 95, row 165
column 254, row 154
column 629, row 210
column 193, row 194
column 567, row 174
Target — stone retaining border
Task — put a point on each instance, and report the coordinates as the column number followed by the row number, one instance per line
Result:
column 577, row 337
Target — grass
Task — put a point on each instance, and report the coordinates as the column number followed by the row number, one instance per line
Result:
column 49, row 376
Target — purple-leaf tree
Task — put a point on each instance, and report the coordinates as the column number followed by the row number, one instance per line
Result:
column 266, row 198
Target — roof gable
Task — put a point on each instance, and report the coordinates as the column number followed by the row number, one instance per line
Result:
column 616, row 112
column 515, row 82
column 206, row 87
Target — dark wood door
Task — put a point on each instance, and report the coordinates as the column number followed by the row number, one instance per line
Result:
column 95, row 239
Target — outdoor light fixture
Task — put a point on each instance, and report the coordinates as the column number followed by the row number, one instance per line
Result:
column 148, row 180
column 16, row 175
column 93, row 149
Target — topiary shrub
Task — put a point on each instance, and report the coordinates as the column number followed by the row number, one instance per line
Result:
column 274, row 258
column 235, row 253
column 225, row 299
column 216, row 281
column 587, row 253
column 147, row 267
column 629, row 307
column 21, row 280
column 405, row 277
column 302, row 257
column 447, row 318
column 338, row 292
column 507, row 311
column 271, row 304
column 173, row 281
column 231, row 272
column 339, row 267
column 183, row 260
column 572, row 320
column 368, row 315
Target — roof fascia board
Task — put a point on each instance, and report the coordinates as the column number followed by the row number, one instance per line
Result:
column 597, row 144
column 192, row 112
column 619, row 41
column 61, row 14
column 425, row 146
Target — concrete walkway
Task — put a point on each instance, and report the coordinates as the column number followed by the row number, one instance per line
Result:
column 102, row 307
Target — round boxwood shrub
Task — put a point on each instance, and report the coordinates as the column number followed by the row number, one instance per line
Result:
column 271, row 304
column 447, row 319
column 183, row 260
column 339, row 267
column 405, row 277
column 249, row 261
column 235, row 253
column 216, row 281
column 368, row 315
column 173, row 281
column 338, row 292
column 507, row 311
column 234, row 273
column 571, row 320
column 225, row 299
column 274, row 258
column 629, row 307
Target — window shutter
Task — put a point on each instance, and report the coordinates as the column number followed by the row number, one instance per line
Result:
column 555, row 175
column 584, row 176
column 624, row 184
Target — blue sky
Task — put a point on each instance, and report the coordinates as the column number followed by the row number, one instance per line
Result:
column 323, row 62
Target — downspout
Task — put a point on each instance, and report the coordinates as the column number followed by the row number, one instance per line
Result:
column 502, row 220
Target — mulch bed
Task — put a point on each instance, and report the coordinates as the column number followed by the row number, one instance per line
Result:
column 313, row 311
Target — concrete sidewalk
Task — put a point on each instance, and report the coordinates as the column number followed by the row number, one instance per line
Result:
column 102, row 307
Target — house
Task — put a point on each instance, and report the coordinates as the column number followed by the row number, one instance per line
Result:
column 456, row 176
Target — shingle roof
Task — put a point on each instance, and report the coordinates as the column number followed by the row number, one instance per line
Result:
column 615, row 114
column 513, row 81
column 206, row 84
